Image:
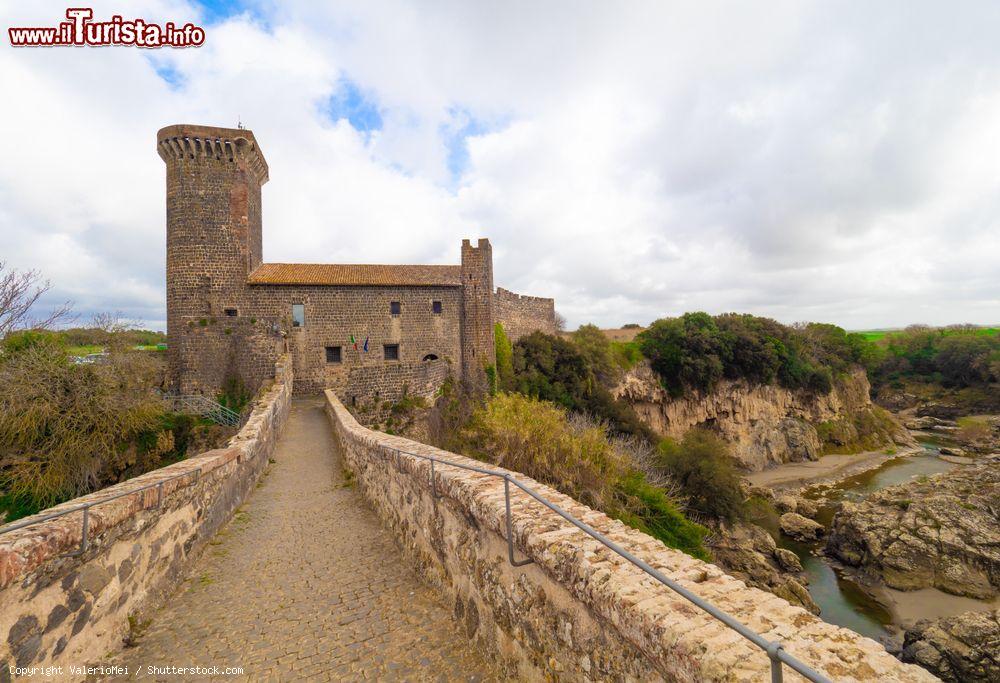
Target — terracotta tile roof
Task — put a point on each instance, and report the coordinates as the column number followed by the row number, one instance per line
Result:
column 355, row 274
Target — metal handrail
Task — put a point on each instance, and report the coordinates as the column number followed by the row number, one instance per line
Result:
column 85, row 507
column 774, row 649
column 202, row 405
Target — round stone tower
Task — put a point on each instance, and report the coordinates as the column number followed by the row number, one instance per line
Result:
column 214, row 176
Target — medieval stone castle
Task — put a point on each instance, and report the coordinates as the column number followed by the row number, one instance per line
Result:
column 370, row 332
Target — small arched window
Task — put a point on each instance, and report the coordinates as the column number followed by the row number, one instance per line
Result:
column 430, row 356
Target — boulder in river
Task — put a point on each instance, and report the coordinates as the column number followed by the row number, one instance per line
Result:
column 800, row 528
column 788, row 560
column 965, row 647
column 942, row 531
column 748, row 552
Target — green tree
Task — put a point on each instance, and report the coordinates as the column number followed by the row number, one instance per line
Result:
column 505, row 358
column 703, row 467
column 555, row 369
column 964, row 360
column 686, row 352
column 596, row 348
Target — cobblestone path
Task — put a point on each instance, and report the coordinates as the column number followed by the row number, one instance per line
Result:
column 305, row 584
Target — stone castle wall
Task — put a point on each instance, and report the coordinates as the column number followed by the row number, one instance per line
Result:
column 333, row 314
column 521, row 315
column 581, row 612
column 229, row 315
column 56, row 609
column 373, row 390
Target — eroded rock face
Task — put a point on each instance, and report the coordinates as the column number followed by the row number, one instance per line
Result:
column 942, row 532
column 766, row 424
column 962, row 648
column 800, row 528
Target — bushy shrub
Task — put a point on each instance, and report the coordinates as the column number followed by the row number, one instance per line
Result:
column 235, row 394
column 69, row 429
column 505, row 358
column 958, row 356
column 576, row 456
column 596, row 348
column 696, row 351
column 555, row 369
column 702, row 466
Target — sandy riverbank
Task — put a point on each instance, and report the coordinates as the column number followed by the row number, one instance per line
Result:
column 909, row 607
column 827, row 469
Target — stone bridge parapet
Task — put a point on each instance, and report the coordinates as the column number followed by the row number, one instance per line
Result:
column 580, row 611
column 57, row 608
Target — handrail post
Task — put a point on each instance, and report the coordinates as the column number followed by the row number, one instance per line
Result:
column 84, row 541
column 510, row 527
column 772, row 653
column 159, row 495
column 434, row 493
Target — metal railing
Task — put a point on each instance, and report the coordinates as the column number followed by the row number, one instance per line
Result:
column 197, row 404
column 85, row 508
column 774, row 649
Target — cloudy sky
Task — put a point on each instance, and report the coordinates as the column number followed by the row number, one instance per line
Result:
column 834, row 161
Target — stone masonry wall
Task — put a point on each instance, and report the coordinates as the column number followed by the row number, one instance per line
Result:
column 521, row 315
column 581, row 612
column 56, row 609
column 373, row 390
column 333, row 314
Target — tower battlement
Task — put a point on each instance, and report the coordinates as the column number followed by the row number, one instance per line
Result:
column 186, row 141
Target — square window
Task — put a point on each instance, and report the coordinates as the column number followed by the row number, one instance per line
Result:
column 333, row 354
column 231, row 312
column 395, row 308
column 298, row 315
column 436, row 307
column 391, row 352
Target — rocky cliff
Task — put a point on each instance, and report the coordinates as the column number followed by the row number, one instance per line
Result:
column 767, row 424
column 960, row 649
column 942, row 531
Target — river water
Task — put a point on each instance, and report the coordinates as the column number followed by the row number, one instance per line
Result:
column 842, row 600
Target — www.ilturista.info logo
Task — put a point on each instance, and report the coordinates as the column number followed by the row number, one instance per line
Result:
column 80, row 30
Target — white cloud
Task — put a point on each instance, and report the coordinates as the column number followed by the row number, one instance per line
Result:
column 809, row 161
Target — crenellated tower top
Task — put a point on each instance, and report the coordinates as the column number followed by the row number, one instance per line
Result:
column 237, row 145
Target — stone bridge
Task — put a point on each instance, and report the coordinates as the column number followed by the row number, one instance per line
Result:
column 313, row 548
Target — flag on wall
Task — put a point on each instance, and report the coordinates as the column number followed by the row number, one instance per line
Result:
column 355, row 342
column 366, row 344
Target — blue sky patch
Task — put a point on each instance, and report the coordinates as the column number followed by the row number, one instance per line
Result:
column 167, row 71
column 220, row 10
column 351, row 103
column 454, row 133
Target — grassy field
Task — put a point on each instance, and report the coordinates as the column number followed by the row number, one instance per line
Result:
column 85, row 350
column 94, row 348
column 875, row 335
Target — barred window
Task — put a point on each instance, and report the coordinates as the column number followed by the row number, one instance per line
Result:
column 391, row 352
